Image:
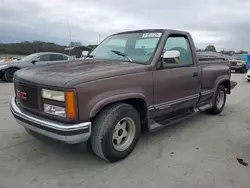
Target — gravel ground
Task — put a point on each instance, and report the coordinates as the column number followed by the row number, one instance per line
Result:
column 200, row 152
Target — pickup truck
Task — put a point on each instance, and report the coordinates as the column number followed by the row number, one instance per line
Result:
column 132, row 80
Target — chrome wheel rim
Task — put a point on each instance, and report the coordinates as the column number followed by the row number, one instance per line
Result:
column 220, row 99
column 123, row 134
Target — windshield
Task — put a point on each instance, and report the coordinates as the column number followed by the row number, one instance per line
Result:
column 29, row 57
column 238, row 57
column 137, row 47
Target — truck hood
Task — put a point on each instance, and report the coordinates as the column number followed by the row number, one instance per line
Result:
column 71, row 73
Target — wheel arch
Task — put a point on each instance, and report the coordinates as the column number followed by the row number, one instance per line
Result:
column 137, row 100
column 14, row 67
column 224, row 80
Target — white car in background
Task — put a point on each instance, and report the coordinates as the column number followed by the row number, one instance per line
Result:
column 248, row 75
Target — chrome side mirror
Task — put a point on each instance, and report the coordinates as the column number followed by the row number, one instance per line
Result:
column 171, row 54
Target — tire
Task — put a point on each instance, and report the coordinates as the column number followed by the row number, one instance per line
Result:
column 9, row 73
column 218, row 106
column 103, row 138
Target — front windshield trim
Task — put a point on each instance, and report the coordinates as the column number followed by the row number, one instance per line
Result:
column 148, row 62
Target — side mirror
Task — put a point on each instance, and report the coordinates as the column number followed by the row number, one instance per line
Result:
column 34, row 61
column 171, row 57
column 171, row 54
column 85, row 53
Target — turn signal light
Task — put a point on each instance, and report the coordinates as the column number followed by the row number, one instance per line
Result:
column 70, row 105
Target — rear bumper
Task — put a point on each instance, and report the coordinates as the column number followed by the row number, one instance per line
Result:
column 67, row 133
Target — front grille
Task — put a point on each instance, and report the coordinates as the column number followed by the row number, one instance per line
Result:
column 31, row 91
column 233, row 63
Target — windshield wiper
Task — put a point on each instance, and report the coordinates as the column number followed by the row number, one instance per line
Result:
column 122, row 54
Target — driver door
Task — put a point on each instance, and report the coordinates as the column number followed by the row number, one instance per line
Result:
column 176, row 83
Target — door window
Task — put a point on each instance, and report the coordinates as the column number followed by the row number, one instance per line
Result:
column 181, row 45
column 58, row 57
column 45, row 57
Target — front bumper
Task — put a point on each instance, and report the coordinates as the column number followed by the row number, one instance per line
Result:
column 1, row 73
column 237, row 67
column 67, row 133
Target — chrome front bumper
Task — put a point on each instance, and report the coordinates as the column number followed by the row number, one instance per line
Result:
column 67, row 133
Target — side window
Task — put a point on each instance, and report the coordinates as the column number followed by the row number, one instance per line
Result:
column 57, row 57
column 45, row 57
column 181, row 45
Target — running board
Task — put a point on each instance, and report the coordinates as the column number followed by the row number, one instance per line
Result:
column 154, row 125
column 205, row 107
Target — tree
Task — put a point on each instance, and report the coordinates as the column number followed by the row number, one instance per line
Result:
column 75, row 43
column 26, row 48
column 92, row 46
column 210, row 48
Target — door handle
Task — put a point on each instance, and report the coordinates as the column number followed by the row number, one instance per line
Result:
column 195, row 74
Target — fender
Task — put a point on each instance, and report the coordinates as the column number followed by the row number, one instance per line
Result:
column 219, row 80
column 115, row 98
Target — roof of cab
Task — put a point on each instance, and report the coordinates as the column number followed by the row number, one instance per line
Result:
column 153, row 31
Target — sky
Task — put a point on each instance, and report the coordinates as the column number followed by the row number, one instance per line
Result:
column 223, row 23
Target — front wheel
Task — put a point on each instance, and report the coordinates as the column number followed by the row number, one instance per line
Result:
column 219, row 102
column 9, row 74
column 116, row 131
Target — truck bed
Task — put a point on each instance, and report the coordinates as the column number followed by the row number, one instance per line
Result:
column 211, row 69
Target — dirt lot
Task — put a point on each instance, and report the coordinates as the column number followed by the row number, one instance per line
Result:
column 200, row 152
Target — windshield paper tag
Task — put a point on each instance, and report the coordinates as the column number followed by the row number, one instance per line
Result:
column 151, row 35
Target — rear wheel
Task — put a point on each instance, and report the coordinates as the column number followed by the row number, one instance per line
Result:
column 116, row 131
column 219, row 102
column 9, row 74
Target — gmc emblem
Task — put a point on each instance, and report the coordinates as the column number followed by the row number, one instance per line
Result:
column 21, row 95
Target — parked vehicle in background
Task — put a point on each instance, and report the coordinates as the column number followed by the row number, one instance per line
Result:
column 144, row 78
column 7, row 70
column 76, row 51
column 238, row 66
column 243, row 57
column 9, row 59
column 248, row 75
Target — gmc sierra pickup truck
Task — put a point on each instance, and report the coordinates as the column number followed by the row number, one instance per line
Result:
column 145, row 78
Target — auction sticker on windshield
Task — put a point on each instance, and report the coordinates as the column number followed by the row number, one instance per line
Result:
column 151, row 35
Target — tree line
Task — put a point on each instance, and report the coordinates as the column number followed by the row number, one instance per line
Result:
column 212, row 48
column 26, row 47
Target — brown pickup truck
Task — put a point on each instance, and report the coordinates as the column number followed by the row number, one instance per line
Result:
column 144, row 78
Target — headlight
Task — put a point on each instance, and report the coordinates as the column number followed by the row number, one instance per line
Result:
column 54, row 110
column 68, row 97
column 2, row 66
column 239, row 63
column 53, row 95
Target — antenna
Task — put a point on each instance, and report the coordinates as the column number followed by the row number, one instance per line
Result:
column 70, row 39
